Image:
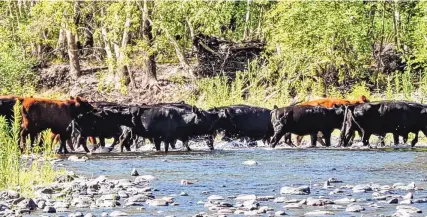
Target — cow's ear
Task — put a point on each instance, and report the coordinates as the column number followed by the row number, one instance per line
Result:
column 182, row 102
column 275, row 107
column 424, row 111
column 215, row 109
column 195, row 110
column 79, row 100
column 336, row 106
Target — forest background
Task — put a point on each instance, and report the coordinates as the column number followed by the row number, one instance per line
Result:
column 213, row 53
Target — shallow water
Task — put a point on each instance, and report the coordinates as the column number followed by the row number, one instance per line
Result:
column 221, row 172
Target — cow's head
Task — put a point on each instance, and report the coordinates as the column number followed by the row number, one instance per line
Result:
column 363, row 99
column 81, row 105
column 206, row 119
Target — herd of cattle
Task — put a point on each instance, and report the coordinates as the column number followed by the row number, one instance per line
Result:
column 73, row 121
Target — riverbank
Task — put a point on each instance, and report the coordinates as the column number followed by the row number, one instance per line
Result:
column 203, row 183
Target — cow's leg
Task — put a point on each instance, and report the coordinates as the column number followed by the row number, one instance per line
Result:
column 83, row 141
column 172, row 143
column 365, row 138
column 313, row 138
column 23, row 144
column 327, row 136
column 70, row 144
column 210, row 142
column 115, row 141
column 185, row 143
column 415, row 140
column 288, row 139
column 405, row 137
column 276, row 138
column 63, row 147
column 166, row 143
column 299, row 140
column 102, row 141
column 396, row 138
column 157, row 143
column 320, row 140
column 33, row 137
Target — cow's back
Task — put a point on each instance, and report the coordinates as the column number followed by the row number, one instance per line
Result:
column 43, row 113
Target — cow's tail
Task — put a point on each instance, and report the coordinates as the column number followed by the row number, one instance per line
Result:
column 343, row 127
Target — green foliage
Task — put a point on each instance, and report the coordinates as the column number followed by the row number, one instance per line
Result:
column 17, row 172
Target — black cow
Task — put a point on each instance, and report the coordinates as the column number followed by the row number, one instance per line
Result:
column 245, row 121
column 397, row 117
column 169, row 123
column 103, row 123
column 6, row 109
column 305, row 119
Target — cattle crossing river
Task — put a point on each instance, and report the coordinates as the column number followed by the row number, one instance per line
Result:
column 223, row 173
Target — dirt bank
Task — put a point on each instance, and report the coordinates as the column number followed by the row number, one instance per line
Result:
column 97, row 84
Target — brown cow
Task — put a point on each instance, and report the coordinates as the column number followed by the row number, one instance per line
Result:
column 39, row 114
column 329, row 103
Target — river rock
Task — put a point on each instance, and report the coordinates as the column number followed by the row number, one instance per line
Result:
column 49, row 209
column 110, row 197
column 77, row 159
column 9, row 195
column 354, row 208
column 279, row 213
column 137, row 198
column 250, row 205
column 158, row 202
column 392, row 201
column 334, row 180
column 225, row 211
column 318, row 202
column 118, row 213
column 345, row 200
column 408, row 196
column 246, row 197
column 361, row 188
column 303, row 190
column 327, row 184
column 27, row 204
column 318, row 213
column 215, row 197
column 264, row 198
column 145, row 178
column 250, row 162
column 280, row 200
column 408, row 209
column 134, row 172
column 78, row 214
column 406, row 202
column 183, row 194
column 89, row 215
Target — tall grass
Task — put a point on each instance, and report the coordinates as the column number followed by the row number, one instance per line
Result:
column 17, row 171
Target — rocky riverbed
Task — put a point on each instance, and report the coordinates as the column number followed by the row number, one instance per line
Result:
column 244, row 182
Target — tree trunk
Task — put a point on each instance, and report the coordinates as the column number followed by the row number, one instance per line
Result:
column 150, row 58
column 396, row 18
column 248, row 9
column 122, row 68
column 179, row 53
column 380, row 61
column 73, row 55
column 61, row 46
column 107, row 46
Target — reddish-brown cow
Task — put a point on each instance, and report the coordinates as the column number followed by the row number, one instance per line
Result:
column 39, row 114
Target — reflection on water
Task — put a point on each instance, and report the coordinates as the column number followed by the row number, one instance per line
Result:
column 222, row 173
